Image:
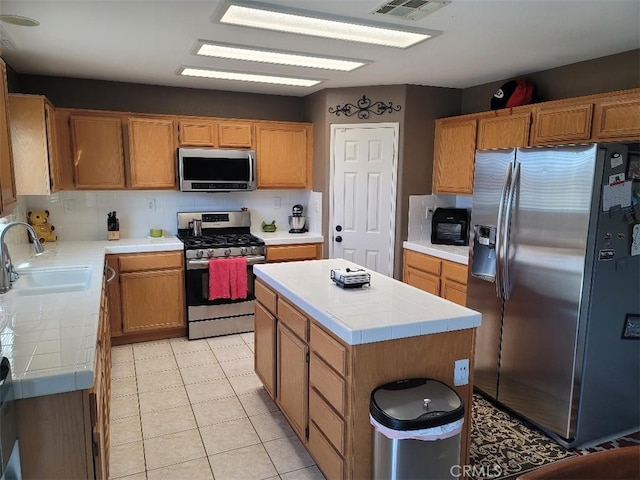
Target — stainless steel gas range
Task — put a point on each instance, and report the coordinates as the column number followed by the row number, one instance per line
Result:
column 211, row 236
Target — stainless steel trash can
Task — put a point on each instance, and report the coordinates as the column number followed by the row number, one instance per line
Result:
column 417, row 424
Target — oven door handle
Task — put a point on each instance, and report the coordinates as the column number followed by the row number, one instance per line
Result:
column 203, row 263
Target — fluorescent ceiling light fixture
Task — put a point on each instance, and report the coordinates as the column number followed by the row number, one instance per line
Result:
column 335, row 29
column 235, row 52
column 247, row 77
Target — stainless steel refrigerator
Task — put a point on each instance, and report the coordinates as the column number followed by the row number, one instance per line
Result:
column 552, row 272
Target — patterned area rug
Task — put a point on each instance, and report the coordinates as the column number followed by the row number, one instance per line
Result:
column 503, row 446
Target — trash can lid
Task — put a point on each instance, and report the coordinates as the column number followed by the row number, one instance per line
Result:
column 415, row 404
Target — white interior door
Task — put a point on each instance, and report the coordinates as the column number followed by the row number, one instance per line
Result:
column 363, row 181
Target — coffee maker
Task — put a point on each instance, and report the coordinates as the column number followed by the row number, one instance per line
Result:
column 297, row 220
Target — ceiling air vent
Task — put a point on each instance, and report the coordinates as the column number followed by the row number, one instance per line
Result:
column 410, row 9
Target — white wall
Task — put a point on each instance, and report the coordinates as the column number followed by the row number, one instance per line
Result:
column 78, row 215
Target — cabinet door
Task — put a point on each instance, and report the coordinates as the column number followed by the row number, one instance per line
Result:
column 617, row 120
column 422, row 280
column 34, row 145
column 454, row 292
column 504, row 132
column 235, row 134
column 98, row 154
column 454, row 156
column 197, row 133
column 561, row 124
column 293, row 379
column 152, row 153
column 7, row 181
column 265, row 348
column 152, row 300
column 284, row 155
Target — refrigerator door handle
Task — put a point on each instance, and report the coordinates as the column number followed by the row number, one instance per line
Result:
column 506, row 276
column 499, row 227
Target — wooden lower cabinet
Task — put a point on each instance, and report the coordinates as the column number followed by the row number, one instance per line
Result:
column 324, row 385
column 289, row 253
column 434, row 275
column 67, row 435
column 147, row 296
column 265, row 348
column 292, row 378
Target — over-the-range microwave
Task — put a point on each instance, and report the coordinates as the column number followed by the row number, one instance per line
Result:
column 216, row 170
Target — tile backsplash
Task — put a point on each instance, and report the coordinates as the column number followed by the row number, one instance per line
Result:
column 80, row 215
column 421, row 208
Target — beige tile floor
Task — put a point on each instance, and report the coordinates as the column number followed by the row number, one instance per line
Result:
column 195, row 410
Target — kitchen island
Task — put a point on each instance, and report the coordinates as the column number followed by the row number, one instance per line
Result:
column 320, row 350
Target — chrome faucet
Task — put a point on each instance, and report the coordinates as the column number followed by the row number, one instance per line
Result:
column 8, row 274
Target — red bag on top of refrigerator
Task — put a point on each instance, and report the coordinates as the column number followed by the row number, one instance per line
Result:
column 513, row 94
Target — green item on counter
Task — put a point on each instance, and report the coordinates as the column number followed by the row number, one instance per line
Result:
column 269, row 227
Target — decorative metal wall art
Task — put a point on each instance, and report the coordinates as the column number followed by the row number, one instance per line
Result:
column 364, row 107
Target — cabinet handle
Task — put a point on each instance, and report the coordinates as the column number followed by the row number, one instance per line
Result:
column 112, row 271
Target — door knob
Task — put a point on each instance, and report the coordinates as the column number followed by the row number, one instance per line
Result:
column 338, row 239
column 338, row 228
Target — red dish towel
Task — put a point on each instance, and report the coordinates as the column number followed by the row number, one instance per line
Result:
column 219, row 278
column 238, row 278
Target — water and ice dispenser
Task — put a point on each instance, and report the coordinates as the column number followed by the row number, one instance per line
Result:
column 484, row 252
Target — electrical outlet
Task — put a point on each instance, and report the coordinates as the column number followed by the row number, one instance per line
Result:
column 151, row 204
column 276, row 202
column 69, row 206
column 428, row 213
column 461, row 372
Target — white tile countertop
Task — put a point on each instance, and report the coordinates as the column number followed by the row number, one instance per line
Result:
column 453, row 253
column 283, row 237
column 50, row 339
column 385, row 310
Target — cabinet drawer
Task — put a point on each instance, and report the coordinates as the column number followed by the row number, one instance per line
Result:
column 150, row 261
column 328, row 421
column 331, row 464
column 292, row 318
column 454, row 271
column 329, row 349
column 293, row 252
column 266, row 296
column 424, row 281
column 330, row 385
column 422, row 262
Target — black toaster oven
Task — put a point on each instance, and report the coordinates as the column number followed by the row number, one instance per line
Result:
column 450, row 226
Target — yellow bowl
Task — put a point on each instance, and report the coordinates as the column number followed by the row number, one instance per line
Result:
column 155, row 232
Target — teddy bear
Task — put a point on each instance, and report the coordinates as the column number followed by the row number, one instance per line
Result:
column 39, row 219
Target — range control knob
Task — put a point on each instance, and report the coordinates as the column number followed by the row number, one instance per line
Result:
column 199, row 253
column 210, row 252
column 244, row 251
column 227, row 252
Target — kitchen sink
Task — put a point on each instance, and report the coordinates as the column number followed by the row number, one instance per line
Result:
column 38, row 281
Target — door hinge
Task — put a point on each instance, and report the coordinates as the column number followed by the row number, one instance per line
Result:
column 96, row 449
column 307, row 357
column 306, row 432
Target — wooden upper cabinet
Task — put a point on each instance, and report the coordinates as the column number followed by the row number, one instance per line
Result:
column 7, row 179
column 504, row 131
column 454, row 156
column 98, row 155
column 34, row 138
column 562, row 124
column 284, row 153
column 197, row 133
column 232, row 134
column 152, row 153
column 617, row 120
